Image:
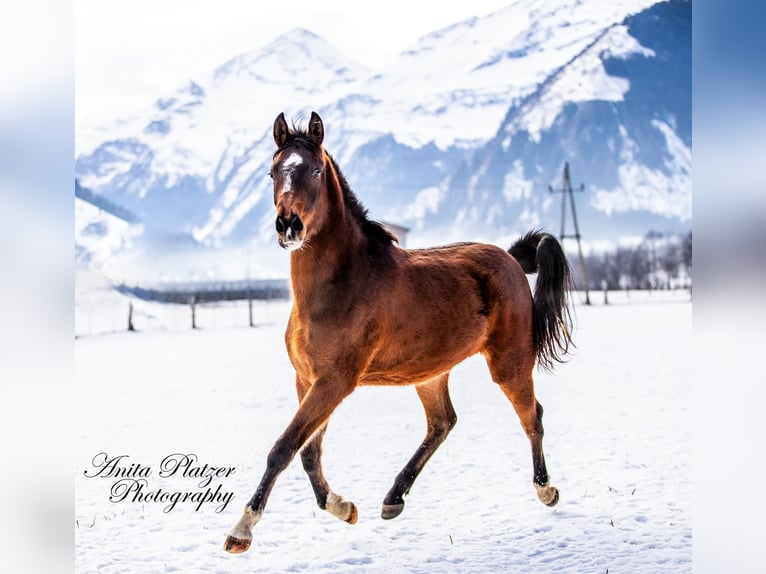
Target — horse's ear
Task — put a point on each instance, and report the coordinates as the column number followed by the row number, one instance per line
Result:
column 280, row 130
column 316, row 128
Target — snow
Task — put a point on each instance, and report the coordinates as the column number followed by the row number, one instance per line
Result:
column 618, row 438
column 426, row 200
column 515, row 186
column 101, row 233
column 452, row 85
column 583, row 79
column 655, row 190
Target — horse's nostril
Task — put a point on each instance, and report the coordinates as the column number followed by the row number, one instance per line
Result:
column 288, row 224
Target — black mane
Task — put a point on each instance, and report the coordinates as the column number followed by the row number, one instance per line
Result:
column 374, row 231
column 378, row 236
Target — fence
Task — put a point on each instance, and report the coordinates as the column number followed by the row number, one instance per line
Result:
column 209, row 291
column 110, row 309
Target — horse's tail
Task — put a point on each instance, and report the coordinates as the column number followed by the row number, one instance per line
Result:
column 552, row 322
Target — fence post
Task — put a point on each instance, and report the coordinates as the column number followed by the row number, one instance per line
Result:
column 130, row 316
column 193, row 302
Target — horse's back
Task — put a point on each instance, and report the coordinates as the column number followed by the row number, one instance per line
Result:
column 445, row 304
column 490, row 267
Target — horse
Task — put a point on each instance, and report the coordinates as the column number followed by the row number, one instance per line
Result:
column 367, row 312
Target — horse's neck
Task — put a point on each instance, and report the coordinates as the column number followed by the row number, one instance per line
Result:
column 315, row 267
column 333, row 248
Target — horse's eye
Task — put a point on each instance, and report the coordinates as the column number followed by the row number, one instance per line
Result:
column 271, row 174
column 317, row 172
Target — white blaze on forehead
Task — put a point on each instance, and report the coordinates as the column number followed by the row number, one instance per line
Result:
column 292, row 161
column 287, row 168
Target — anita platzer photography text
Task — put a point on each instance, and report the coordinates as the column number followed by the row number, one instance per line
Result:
column 133, row 482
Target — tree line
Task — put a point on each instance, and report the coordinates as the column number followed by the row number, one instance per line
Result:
column 659, row 261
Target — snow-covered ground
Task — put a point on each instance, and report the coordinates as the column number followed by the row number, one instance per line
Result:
column 618, row 442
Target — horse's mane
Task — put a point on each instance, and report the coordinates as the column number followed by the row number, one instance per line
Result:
column 378, row 236
column 373, row 230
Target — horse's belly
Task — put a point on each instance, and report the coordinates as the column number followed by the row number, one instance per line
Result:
column 410, row 373
column 398, row 378
column 401, row 364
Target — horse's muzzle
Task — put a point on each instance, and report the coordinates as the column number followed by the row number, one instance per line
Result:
column 289, row 231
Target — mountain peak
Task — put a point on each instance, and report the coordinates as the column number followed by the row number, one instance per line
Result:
column 298, row 35
column 293, row 55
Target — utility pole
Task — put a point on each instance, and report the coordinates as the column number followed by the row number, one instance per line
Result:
column 568, row 191
column 249, row 291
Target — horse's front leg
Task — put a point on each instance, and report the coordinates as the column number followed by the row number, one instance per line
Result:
column 311, row 457
column 320, row 401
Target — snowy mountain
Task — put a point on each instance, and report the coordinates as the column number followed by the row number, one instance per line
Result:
column 619, row 112
column 458, row 138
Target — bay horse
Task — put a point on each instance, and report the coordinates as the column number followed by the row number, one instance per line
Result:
column 367, row 312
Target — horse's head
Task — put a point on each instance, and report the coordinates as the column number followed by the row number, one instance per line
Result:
column 297, row 172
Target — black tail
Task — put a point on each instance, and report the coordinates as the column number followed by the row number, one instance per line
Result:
column 541, row 253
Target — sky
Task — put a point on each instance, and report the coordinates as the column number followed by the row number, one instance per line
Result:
column 130, row 52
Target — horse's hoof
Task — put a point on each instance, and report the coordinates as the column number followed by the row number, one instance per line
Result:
column 390, row 511
column 548, row 495
column 555, row 500
column 353, row 515
column 342, row 508
column 235, row 545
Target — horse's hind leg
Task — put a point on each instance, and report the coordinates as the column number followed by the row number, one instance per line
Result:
column 311, row 457
column 518, row 386
column 440, row 418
